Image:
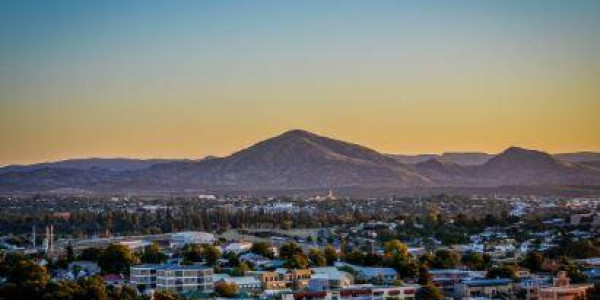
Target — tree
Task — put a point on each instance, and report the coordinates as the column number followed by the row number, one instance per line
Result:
column 574, row 272
column 409, row 270
column 70, row 253
column 533, row 261
column 123, row 293
column 212, row 254
column 446, row 259
column 330, row 255
column 593, row 292
column 317, row 257
column 424, row 277
column 193, row 253
column 396, row 247
column 241, row 269
column 25, row 280
column 116, row 259
column 427, row 259
column 92, row 288
column 262, row 248
column 502, row 272
column 90, row 254
column 153, row 255
column 227, row 290
column 165, row 295
column 287, row 251
column 298, row 261
column 474, row 261
column 429, row 292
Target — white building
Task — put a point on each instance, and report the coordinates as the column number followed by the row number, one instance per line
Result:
column 173, row 278
column 237, row 248
column 191, row 237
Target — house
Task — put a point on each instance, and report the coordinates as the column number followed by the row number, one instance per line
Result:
column 295, row 279
column 325, row 278
column 237, row 248
column 114, row 279
column 245, row 284
column 488, row 288
column 257, row 260
column 446, row 279
column 89, row 267
column 562, row 289
column 283, row 278
column 269, row 280
column 371, row 274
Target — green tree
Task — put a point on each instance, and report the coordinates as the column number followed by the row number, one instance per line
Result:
column 502, row 272
column 287, row 251
column 227, row 290
column 330, row 255
column 25, row 280
column 193, row 253
column 298, row 261
column 446, row 259
column 429, row 292
column 116, row 259
column 317, row 257
column 70, row 253
column 153, row 255
column 92, row 288
column 424, row 277
column 593, row 293
column 474, row 261
column 427, row 259
column 165, row 295
column 262, row 248
column 90, row 254
column 212, row 254
column 533, row 261
column 123, row 293
column 396, row 247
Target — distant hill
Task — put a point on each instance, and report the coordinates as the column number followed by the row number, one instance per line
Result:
column 579, row 156
column 300, row 160
column 111, row 164
column 461, row 158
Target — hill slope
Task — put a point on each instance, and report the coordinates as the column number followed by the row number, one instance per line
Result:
column 300, row 160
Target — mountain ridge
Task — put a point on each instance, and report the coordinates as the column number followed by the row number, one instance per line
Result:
column 299, row 159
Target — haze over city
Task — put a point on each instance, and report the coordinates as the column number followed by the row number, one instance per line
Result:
column 157, row 79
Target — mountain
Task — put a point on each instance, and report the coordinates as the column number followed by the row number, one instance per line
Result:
column 111, row 164
column 295, row 159
column 578, row 157
column 300, row 160
column 460, row 158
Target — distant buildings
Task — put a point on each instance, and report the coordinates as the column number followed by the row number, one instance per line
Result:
column 173, row 278
column 359, row 292
column 191, row 237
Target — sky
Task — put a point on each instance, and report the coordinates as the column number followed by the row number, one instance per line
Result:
column 175, row 79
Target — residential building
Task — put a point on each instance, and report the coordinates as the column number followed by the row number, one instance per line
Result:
column 488, row 288
column 245, row 284
column 562, row 289
column 359, row 292
column 325, row 278
column 173, row 277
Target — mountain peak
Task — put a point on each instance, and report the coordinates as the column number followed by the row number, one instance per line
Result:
column 515, row 157
column 298, row 133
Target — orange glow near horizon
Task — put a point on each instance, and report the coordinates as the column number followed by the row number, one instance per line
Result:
column 160, row 81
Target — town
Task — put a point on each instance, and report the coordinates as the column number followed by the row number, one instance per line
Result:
column 320, row 247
